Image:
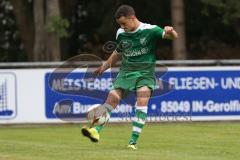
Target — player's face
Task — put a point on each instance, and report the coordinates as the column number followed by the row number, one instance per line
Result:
column 127, row 23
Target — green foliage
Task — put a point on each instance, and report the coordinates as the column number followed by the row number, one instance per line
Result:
column 212, row 27
column 59, row 26
column 229, row 8
column 10, row 41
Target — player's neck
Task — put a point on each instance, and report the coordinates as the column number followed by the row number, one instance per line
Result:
column 137, row 24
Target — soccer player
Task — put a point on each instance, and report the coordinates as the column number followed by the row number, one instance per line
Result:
column 136, row 47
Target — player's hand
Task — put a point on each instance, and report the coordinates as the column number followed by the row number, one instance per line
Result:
column 168, row 29
column 99, row 71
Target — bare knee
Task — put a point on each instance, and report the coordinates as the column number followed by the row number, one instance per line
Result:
column 143, row 96
column 114, row 97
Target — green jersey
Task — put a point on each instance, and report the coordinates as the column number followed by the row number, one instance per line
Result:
column 138, row 50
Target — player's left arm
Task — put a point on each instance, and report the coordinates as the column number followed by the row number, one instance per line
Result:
column 170, row 33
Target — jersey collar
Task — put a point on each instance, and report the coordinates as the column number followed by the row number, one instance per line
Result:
column 139, row 27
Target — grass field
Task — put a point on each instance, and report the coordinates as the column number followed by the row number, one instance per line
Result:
column 165, row 141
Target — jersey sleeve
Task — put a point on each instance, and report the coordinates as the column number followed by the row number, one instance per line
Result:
column 118, row 48
column 158, row 32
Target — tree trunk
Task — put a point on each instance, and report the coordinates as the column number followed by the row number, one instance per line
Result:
column 24, row 18
column 39, row 52
column 53, row 41
column 67, row 9
column 178, row 20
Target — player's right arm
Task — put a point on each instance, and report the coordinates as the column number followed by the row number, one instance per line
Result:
column 170, row 33
column 112, row 60
column 167, row 33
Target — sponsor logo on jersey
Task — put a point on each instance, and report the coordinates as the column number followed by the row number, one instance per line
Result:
column 143, row 41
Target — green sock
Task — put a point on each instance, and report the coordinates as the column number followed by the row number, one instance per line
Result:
column 138, row 124
column 99, row 128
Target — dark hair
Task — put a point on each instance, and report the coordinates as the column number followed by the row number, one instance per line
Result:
column 124, row 10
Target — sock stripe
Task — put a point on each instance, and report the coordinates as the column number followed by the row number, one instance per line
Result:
column 136, row 129
column 135, row 133
column 136, row 124
column 139, row 120
column 142, row 108
column 141, row 115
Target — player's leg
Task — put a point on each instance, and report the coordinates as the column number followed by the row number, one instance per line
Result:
column 111, row 102
column 143, row 96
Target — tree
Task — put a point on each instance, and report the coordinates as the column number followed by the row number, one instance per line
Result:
column 229, row 8
column 178, row 20
column 24, row 17
column 40, row 34
column 212, row 27
column 41, row 27
column 52, row 39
